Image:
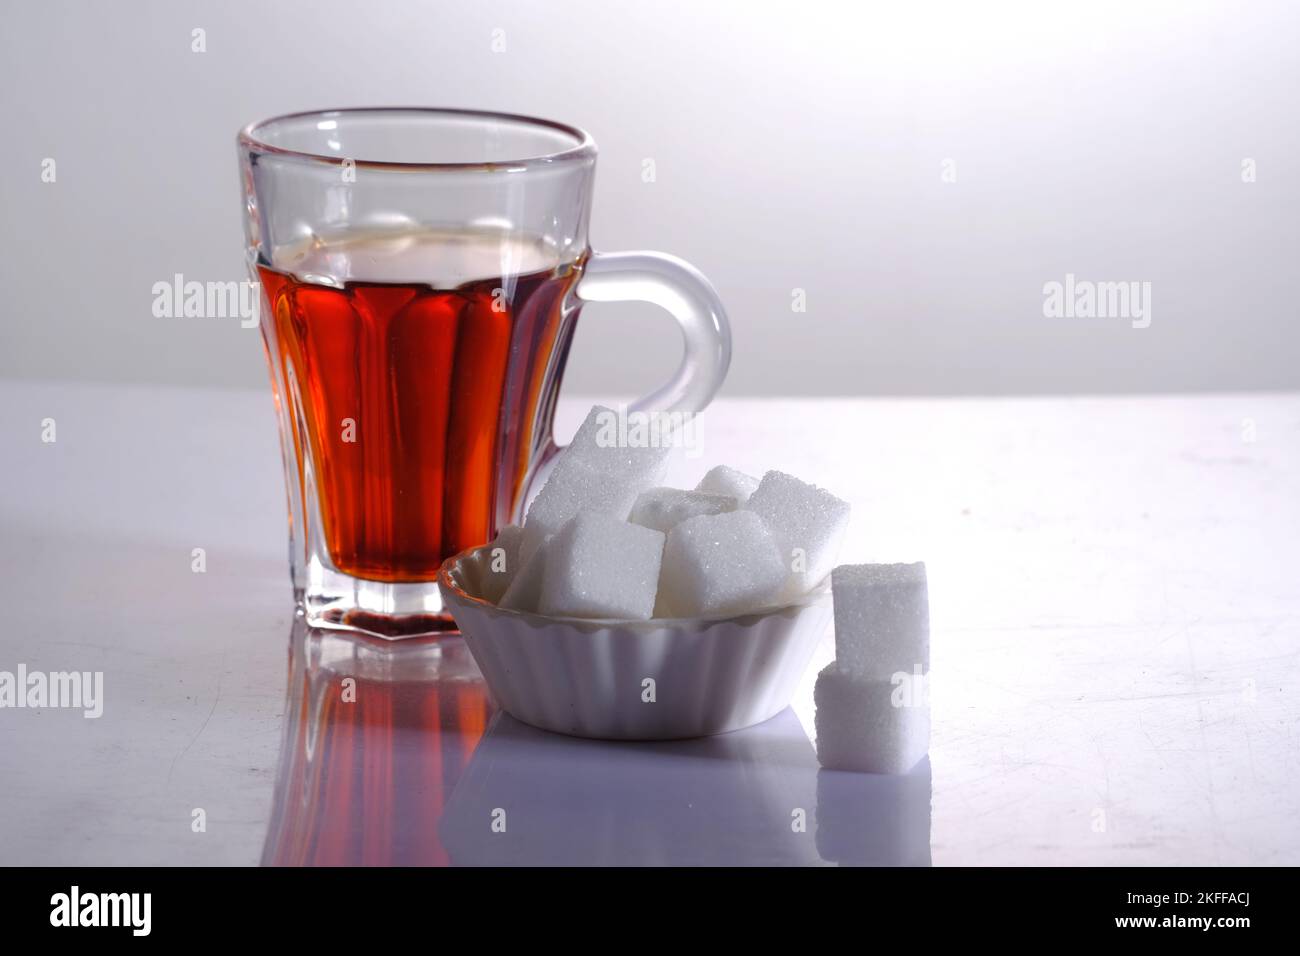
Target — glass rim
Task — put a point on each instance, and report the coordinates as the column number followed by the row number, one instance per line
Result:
column 584, row 146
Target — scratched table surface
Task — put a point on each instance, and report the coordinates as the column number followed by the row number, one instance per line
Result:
column 1116, row 653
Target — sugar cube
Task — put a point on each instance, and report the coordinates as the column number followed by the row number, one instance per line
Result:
column 624, row 453
column 525, row 588
column 503, row 560
column 599, row 566
column 882, row 618
column 724, row 480
column 664, row 508
column 720, row 564
column 870, row 725
column 598, row 471
column 807, row 523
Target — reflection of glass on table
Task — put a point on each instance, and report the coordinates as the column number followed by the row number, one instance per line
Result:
column 376, row 736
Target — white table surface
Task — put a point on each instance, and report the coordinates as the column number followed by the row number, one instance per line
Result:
column 1115, row 598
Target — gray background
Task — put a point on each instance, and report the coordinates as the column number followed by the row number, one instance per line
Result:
column 796, row 146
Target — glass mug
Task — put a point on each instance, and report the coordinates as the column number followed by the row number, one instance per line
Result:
column 422, row 271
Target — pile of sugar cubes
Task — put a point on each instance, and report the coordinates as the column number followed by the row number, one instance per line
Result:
column 873, row 707
column 604, row 539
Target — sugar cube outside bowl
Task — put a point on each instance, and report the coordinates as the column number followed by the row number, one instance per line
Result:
column 592, row 678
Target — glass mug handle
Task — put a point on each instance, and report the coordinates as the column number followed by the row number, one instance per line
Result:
column 690, row 298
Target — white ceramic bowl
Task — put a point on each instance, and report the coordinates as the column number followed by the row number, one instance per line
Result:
column 588, row 678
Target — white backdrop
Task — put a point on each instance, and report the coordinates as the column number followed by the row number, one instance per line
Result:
column 919, row 171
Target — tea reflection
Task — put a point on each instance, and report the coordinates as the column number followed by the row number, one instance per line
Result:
column 377, row 734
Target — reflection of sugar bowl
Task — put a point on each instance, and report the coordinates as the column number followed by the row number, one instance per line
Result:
column 532, row 797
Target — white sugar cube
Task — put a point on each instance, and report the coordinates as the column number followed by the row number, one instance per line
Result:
column 599, row 566
column 882, row 619
column 503, row 562
column 724, row 480
column 599, row 471
column 718, row 565
column 664, row 508
column 574, row 486
column 525, row 588
column 808, row 524
column 868, row 725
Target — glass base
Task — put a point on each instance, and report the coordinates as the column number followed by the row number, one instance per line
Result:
column 340, row 602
